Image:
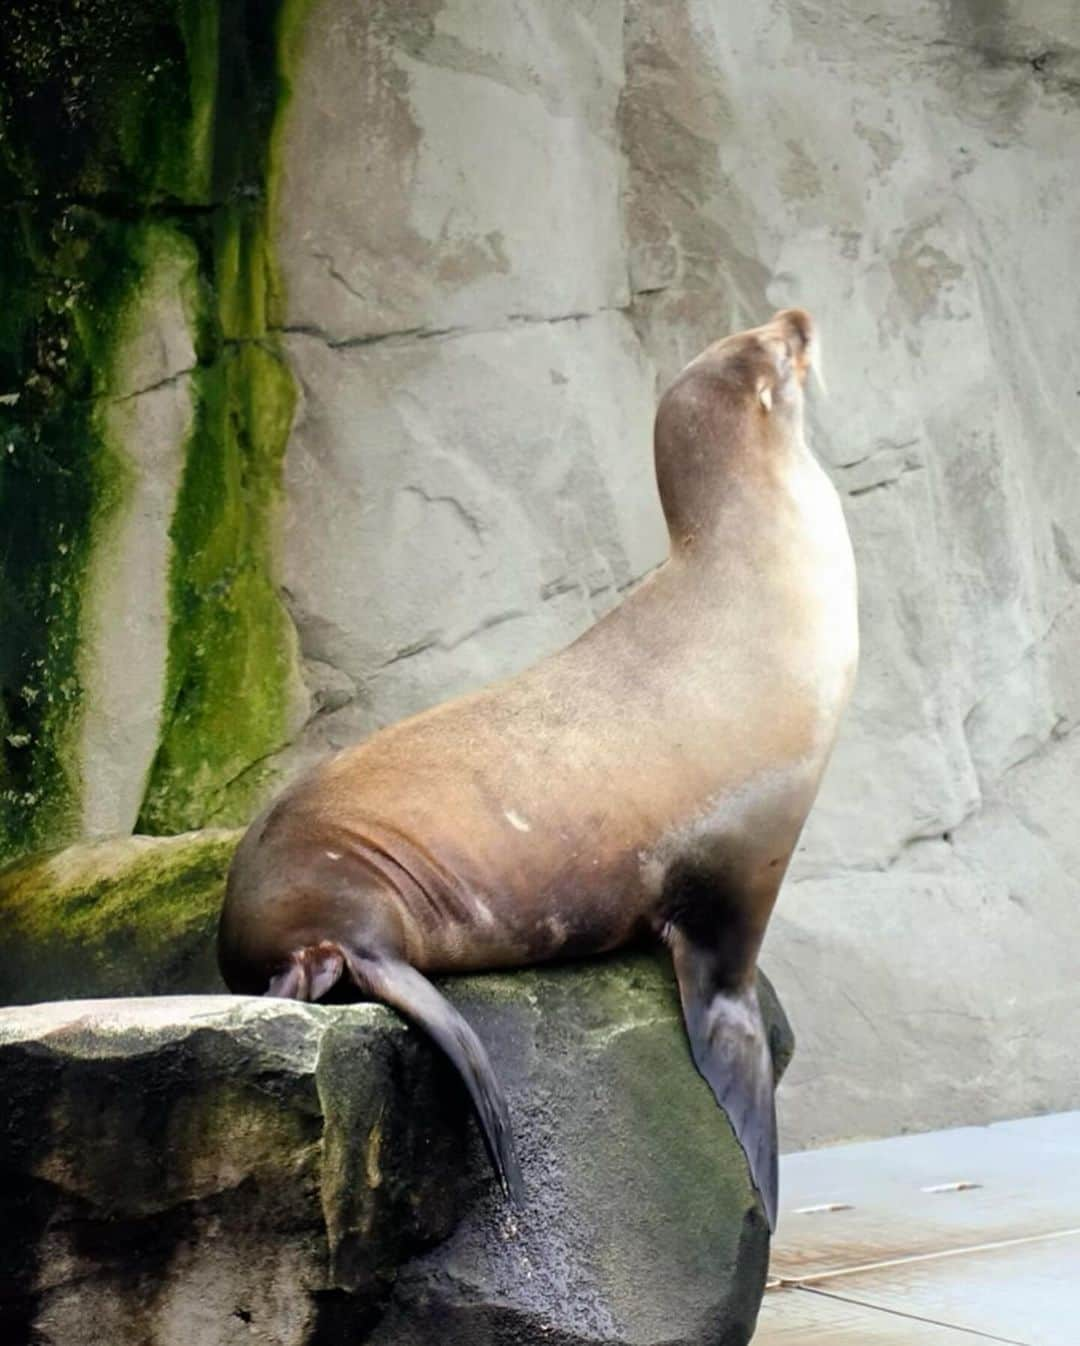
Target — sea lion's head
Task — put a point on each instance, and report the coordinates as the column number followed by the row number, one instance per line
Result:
column 728, row 417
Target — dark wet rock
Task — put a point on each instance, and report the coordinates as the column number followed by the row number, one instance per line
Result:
column 641, row 1224
column 224, row 1170
column 214, row 1170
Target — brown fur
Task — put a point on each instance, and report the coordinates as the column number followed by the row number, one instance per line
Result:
column 652, row 777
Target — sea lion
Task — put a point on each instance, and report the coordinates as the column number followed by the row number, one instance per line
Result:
column 650, row 779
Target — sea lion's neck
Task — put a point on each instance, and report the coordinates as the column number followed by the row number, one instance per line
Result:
column 727, row 509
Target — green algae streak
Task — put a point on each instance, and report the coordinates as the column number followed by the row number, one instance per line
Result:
column 71, row 268
column 124, row 129
column 232, row 650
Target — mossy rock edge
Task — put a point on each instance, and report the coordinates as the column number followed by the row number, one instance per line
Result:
column 127, row 916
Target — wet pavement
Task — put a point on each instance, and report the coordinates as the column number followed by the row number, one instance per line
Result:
column 954, row 1238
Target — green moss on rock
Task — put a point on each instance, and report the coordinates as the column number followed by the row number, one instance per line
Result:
column 131, row 916
column 232, row 648
column 232, row 683
column 108, row 101
column 66, row 294
column 641, row 1223
column 119, row 125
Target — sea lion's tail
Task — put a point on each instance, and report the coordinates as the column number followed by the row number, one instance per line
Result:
column 730, row 1047
column 400, row 985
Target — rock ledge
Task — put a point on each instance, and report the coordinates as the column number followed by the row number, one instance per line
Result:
column 226, row 1170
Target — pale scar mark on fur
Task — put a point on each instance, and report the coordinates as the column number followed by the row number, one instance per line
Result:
column 483, row 911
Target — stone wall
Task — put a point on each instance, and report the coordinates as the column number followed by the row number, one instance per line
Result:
column 479, row 238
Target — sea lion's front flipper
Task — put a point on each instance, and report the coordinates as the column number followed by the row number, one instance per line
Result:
column 400, row 985
column 731, row 1050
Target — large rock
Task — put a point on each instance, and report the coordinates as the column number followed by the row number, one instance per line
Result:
column 220, row 1170
column 212, row 1170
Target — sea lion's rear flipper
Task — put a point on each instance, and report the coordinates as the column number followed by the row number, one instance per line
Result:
column 407, row 990
column 731, row 1050
column 309, row 973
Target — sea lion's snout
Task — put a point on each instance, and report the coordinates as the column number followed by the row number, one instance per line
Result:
column 790, row 346
column 797, row 327
column 793, row 342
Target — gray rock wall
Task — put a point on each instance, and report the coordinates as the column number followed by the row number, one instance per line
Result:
column 502, row 229
column 469, row 480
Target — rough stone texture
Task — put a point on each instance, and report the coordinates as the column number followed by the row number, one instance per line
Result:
column 146, row 419
column 221, row 1170
column 465, row 164
column 183, row 1170
column 128, row 916
column 456, row 507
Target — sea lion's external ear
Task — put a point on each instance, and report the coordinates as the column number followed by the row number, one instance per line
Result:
column 765, row 394
column 782, row 359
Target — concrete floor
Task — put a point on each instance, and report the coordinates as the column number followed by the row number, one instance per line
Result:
column 949, row 1239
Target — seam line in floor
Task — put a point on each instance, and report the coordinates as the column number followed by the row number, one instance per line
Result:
column 812, row 1277
column 913, row 1317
